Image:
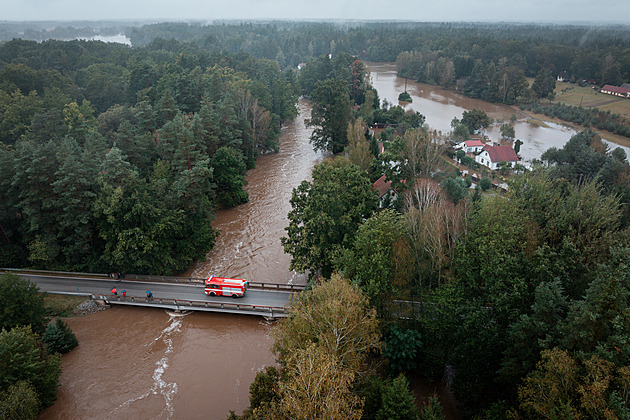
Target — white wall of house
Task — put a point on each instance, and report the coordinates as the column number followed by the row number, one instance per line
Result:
column 484, row 159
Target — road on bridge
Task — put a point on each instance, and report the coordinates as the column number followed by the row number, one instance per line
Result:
column 192, row 292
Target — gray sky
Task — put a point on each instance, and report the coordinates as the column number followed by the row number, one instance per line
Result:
column 418, row 10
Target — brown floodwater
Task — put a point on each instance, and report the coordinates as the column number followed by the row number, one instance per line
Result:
column 249, row 244
column 142, row 363
column 440, row 106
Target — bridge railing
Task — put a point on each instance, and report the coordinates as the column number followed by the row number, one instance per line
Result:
column 184, row 304
column 154, row 279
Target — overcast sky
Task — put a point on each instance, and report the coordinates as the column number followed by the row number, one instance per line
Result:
column 417, row 10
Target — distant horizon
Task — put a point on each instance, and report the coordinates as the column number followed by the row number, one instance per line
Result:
column 314, row 20
column 573, row 12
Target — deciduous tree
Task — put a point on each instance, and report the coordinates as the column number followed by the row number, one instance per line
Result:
column 23, row 357
column 358, row 148
column 326, row 214
column 318, row 387
column 337, row 318
column 21, row 304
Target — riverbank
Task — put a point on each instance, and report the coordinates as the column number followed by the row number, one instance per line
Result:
column 66, row 305
column 612, row 138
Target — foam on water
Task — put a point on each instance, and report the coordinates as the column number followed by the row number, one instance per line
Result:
column 159, row 386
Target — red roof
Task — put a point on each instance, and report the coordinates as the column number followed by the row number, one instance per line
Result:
column 473, row 143
column 615, row 89
column 501, row 153
column 382, row 186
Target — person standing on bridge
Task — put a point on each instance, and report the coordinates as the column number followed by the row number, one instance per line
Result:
column 124, row 293
column 114, row 292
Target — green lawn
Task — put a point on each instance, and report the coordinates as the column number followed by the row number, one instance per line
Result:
column 62, row 305
column 572, row 94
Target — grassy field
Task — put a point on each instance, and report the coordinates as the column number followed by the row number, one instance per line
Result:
column 62, row 305
column 572, row 94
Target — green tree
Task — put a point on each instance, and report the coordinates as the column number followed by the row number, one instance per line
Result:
column 455, row 189
column 370, row 262
column 264, row 388
column 358, row 148
column 398, row 401
column 611, row 71
column 35, row 168
column 460, row 130
column 330, row 115
column 544, row 83
column 76, row 180
column 229, row 176
column 475, row 120
column 507, row 132
column 326, row 214
column 21, row 304
column 401, row 349
column 485, row 184
column 517, row 146
column 59, row 338
column 19, row 402
column 432, row 410
column 17, row 111
column 23, row 357
column 601, row 320
column 534, row 332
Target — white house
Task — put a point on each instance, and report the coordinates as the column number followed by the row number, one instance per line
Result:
column 492, row 156
column 471, row 146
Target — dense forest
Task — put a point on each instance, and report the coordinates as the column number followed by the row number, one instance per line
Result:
column 116, row 157
column 580, row 51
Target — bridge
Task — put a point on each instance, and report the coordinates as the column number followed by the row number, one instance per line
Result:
column 176, row 293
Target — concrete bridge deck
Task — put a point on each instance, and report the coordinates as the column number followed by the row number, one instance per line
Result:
column 179, row 294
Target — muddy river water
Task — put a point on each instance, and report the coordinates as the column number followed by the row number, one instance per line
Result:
column 440, row 106
column 136, row 363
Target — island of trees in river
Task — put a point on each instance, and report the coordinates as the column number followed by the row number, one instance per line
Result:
column 116, row 157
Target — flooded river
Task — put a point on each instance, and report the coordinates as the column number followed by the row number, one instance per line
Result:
column 249, row 245
column 440, row 106
column 147, row 364
column 142, row 363
column 137, row 363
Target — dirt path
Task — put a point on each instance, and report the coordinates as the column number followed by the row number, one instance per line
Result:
column 612, row 101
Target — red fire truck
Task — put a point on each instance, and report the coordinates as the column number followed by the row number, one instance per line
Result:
column 220, row 286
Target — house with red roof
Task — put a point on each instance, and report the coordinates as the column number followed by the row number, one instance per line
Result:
column 386, row 195
column 492, row 156
column 471, row 145
column 617, row 91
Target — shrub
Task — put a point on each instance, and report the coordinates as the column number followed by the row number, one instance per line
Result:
column 24, row 358
column 19, row 402
column 59, row 338
column 401, row 348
